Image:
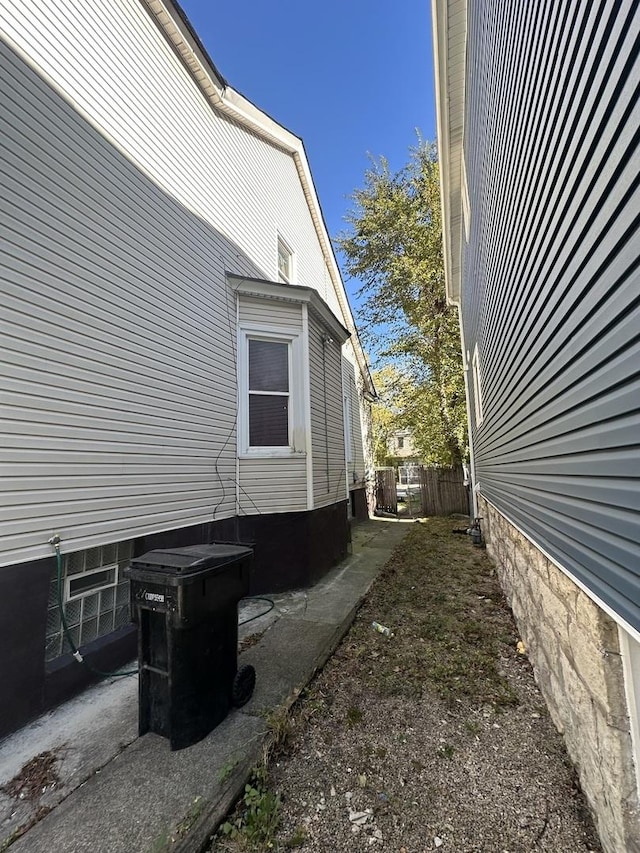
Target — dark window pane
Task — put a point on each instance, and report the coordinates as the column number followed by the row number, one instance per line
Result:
column 268, row 366
column 268, row 421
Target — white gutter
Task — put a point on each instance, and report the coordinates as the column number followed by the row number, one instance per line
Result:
column 439, row 18
column 226, row 100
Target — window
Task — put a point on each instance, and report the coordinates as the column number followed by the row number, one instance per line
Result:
column 95, row 595
column 285, row 262
column 268, row 393
column 271, row 392
column 400, row 443
column 477, row 386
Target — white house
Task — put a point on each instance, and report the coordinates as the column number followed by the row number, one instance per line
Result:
column 179, row 359
column 538, row 129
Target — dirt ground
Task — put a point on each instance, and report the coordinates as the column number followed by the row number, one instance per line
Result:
column 434, row 738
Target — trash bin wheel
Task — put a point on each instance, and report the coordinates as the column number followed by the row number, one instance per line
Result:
column 243, row 684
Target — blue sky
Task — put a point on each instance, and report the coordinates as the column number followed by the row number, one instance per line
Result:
column 348, row 76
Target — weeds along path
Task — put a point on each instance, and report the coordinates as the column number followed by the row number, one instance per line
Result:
column 435, row 738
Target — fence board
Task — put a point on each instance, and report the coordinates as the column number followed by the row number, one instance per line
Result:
column 386, row 496
column 443, row 491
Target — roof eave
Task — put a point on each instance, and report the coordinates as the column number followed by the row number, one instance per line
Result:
column 174, row 23
column 450, row 29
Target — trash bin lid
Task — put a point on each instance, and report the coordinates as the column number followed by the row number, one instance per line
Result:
column 192, row 559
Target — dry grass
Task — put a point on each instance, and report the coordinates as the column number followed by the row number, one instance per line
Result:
column 451, row 623
column 437, row 735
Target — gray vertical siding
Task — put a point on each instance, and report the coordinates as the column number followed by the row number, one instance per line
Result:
column 551, row 287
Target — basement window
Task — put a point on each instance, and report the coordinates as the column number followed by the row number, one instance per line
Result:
column 95, row 595
column 89, row 582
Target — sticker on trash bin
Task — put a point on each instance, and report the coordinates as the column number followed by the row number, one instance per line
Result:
column 154, row 596
column 151, row 597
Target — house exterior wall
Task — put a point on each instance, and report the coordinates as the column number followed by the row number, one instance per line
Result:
column 119, row 378
column 327, row 424
column 574, row 648
column 543, row 201
column 224, row 191
column 138, row 92
column 551, row 280
column 128, row 203
column 268, row 485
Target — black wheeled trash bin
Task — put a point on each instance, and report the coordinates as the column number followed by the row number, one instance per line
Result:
column 186, row 605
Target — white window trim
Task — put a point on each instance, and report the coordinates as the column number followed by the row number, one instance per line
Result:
column 477, row 386
column 69, row 596
column 297, row 420
column 284, row 244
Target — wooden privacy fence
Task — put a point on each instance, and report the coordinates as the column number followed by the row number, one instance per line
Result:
column 443, row 491
column 386, row 496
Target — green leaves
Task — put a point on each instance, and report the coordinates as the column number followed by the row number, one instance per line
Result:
column 394, row 246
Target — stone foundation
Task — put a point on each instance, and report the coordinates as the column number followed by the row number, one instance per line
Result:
column 574, row 649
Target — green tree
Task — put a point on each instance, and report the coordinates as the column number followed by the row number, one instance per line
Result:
column 394, row 247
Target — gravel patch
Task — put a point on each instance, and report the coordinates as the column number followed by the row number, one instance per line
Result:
column 434, row 738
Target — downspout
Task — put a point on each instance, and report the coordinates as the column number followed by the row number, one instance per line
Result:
column 465, row 361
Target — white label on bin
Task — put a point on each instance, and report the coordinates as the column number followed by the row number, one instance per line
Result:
column 154, row 596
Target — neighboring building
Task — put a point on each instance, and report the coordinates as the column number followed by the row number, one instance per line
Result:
column 400, row 445
column 538, row 128
column 179, row 360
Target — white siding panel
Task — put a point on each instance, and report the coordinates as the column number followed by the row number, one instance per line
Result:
column 118, row 339
column 273, row 485
column 329, row 466
column 113, row 62
column 270, row 312
column 356, row 463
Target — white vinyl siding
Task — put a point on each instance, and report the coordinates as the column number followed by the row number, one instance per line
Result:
column 353, row 432
column 134, row 87
column 118, row 350
column 268, row 485
column 329, row 467
column 127, row 199
column 273, row 485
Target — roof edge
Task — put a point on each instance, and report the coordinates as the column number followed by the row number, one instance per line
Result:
column 174, row 23
column 448, row 28
column 265, row 289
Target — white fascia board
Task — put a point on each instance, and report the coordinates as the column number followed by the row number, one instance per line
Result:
column 291, row 293
column 450, row 166
column 225, row 99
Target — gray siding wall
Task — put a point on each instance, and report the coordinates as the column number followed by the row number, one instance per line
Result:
column 551, row 285
column 329, row 467
column 118, row 338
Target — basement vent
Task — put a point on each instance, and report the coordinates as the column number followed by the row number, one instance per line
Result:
column 95, row 595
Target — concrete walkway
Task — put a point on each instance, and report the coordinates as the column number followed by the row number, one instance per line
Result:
column 118, row 793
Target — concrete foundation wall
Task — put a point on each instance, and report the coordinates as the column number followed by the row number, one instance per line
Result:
column 574, row 649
